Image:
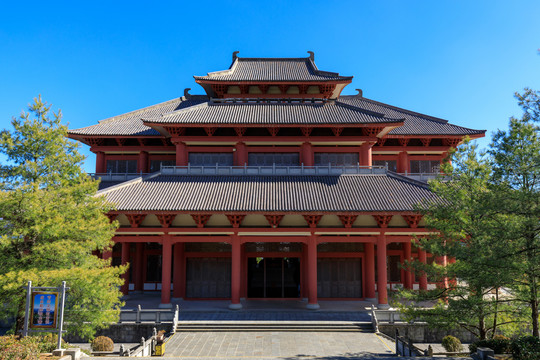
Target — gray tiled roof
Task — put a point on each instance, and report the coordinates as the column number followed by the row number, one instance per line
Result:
column 131, row 124
column 268, row 114
column 273, row 69
column 415, row 123
column 344, row 193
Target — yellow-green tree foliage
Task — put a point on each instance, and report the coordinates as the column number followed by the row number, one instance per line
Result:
column 51, row 222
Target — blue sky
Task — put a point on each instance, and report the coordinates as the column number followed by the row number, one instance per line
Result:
column 459, row 60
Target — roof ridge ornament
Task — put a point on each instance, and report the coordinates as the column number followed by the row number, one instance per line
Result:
column 234, row 55
column 360, row 93
column 311, row 55
column 187, row 95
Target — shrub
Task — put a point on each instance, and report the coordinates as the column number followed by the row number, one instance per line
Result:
column 13, row 348
column 451, row 344
column 499, row 344
column 102, row 343
column 526, row 348
column 48, row 342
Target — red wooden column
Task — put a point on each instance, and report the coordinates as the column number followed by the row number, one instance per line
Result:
column 106, row 255
column 369, row 250
column 166, row 259
column 382, row 274
column 236, row 273
column 100, row 162
column 241, row 157
column 181, row 153
column 422, row 257
column 365, row 157
column 179, row 271
column 313, row 303
column 408, row 280
column 125, row 259
column 142, row 164
column 303, row 274
column 307, row 154
column 403, row 162
column 138, row 266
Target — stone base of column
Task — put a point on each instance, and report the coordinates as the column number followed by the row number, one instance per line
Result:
column 165, row 306
column 235, row 306
column 383, row 306
column 313, row 306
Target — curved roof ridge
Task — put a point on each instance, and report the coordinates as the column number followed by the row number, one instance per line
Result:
column 135, row 112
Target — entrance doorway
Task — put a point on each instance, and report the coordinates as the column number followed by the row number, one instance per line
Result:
column 273, row 277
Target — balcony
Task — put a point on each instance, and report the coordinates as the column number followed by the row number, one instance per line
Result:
column 265, row 170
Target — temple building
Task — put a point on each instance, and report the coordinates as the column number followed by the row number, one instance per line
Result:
column 270, row 185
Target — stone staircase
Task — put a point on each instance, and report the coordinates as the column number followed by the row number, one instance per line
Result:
column 273, row 326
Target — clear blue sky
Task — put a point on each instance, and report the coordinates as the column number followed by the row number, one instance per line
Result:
column 459, row 60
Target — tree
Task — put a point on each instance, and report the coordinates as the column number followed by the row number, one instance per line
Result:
column 465, row 224
column 51, row 223
column 516, row 162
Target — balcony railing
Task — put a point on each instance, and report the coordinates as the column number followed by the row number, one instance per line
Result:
column 264, row 170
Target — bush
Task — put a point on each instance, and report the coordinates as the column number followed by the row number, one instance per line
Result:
column 102, row 343
column 499, row 344
column 451, row 344
column 13, row 348
column 47, row 343
column 526, row 348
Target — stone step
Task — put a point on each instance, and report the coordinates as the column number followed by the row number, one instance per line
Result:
column 289, row 326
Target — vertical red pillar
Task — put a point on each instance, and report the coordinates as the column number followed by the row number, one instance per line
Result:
column 236, row 258
column 382, row 272
column 422, row 257
column 241, row 158
column 403, row 162
column 365, row 156
column 166, row 257
column 303, row 275
column 369, row 251
column 142, row 164
column 179, row 273
column 313, row 303
column 106, row 255
column 407, row 281
column 125, row 259
column 307, row 154
column 181, row 154
column 100, row 162
column 138, row 266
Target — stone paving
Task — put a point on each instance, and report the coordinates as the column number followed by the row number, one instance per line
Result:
column 360, row 316
column 276, row 345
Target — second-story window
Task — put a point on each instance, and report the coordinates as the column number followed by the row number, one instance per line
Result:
column 389, row 164
column 336, row 159
column 425, row 166
column 268, row 159
column 211, row 159
column 122, row 166
column 155, row 165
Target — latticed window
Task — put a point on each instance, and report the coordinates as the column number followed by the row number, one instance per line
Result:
column 211, row 159
column 389, row 164
column 269, row 159
column 425, row 166
column 336, row 159
column 122, row 166
column 155, row 165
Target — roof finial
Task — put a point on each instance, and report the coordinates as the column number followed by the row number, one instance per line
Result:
column 360, row 93
column 187, row 95
column 311, row 55
column 234, row 55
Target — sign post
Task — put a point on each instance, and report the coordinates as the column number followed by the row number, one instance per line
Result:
column 45, row 310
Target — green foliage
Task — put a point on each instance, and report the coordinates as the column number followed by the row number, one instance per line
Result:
column 526, row 348
column 499, row 344
column 13, row 348
column 102, row 343
column 51, row 224
column 451, row 344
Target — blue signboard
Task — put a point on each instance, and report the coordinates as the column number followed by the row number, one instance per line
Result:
column 44, row 310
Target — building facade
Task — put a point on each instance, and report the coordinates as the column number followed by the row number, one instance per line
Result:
column 271, row 185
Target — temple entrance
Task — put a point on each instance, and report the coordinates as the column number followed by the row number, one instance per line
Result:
column 273, row 277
